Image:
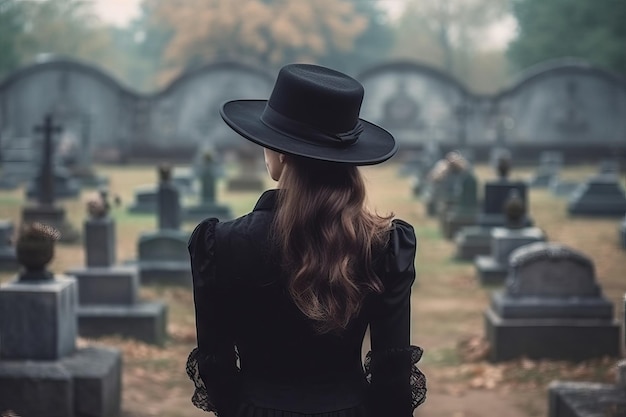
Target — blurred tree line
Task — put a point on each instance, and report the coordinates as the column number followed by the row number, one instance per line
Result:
column 172, row 36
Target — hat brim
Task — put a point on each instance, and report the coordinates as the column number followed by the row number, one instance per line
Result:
column 375, row 144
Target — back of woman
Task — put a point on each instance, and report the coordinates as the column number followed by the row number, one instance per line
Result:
column 284, row 295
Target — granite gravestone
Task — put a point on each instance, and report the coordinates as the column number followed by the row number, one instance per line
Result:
column 107, row 293
column 184, row 180
column 464, row 208
column 492, row 269
column 163, row 254
column 550, row 163
column 45, row 210
column 208, row 206
column 472, row 241
column 438, row 192
column 42, row 373
column 601, row 196
column 551, row 308
column 145, row 201
column 588, row 399
column 8, row 260
column 16, row 161
column 248, row 177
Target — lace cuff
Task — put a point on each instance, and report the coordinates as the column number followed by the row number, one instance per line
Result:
column 200, row 397
column 417, row 378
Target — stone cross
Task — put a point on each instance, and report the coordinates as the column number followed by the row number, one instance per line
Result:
column 46, row 177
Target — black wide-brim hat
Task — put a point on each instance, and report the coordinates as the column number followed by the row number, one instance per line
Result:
column 312, row 112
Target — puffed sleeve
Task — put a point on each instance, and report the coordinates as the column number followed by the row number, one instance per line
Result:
column 212, row 366
column 397, row 386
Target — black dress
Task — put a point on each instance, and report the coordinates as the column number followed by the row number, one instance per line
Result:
column 259, row 356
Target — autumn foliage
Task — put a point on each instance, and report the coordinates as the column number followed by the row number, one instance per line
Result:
column 267, row 33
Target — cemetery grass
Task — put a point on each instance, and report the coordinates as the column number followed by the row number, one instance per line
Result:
column 447, row 301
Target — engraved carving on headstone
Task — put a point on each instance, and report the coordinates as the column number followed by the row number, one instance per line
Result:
column 548, row 269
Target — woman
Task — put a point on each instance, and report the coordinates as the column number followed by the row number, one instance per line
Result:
column 284, row 294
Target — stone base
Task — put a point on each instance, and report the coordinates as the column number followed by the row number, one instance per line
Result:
column 53, row 216
column 207, row 210
column 472, row 241
column 145, row 321
column 92, row 181
column 143, row 208
column 489, row 271
column 117, row 285
column 563, row 188
column 86, row 383
column 596, row 208
column 8, row 261
column 585, row 399
column 165, row 273
column 558, row 339
column 245, row 184
column 37, row 319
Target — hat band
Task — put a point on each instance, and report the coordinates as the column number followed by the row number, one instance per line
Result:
column 307, row 133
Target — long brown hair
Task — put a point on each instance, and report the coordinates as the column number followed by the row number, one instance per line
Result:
column 326, row 238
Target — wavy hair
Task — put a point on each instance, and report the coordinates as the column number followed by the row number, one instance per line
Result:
column 327, row 239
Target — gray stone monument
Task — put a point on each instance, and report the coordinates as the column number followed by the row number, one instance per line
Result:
column 8, row 260
column 550, row 163
column 145, row 200
column 248, row 178
column 208, row 206
column 472, row 241
column 42, row 373
column 492, row 269
column 601, row 196
column 562, row 188
column 45, row 210
column 108, row 294
column 464, row 209
column 588, row 399
column 184, row 179
column 163, row 254
column 552, row 308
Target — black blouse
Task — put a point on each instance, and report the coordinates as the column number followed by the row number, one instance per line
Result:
column 258, row 355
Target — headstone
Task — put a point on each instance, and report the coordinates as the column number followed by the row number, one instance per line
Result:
column 8, row 261
column 184, row 180
column 561, row 187
column 145, row 200
column 552, row 308
column 16, row 161
column 163, row 254
column 248, row 178
column 45, row 211
column 108, row 294
column 42, row 373
column 550, row 163
column 208, row 206
column 473, row 241
column 588, row 399
column 601, row 196
column 464, row 208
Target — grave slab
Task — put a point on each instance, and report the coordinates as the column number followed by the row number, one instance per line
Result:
column 552, row 308
column 600, row 196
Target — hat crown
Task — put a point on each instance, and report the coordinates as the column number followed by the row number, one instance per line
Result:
column 319, row 97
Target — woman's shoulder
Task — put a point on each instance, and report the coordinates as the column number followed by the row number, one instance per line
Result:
column 401, row 247
column 231, row 248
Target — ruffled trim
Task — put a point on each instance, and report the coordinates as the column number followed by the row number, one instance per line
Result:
column 417, row 378
column 200, row 397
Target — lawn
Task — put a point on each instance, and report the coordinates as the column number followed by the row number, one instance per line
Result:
column 447, row 303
